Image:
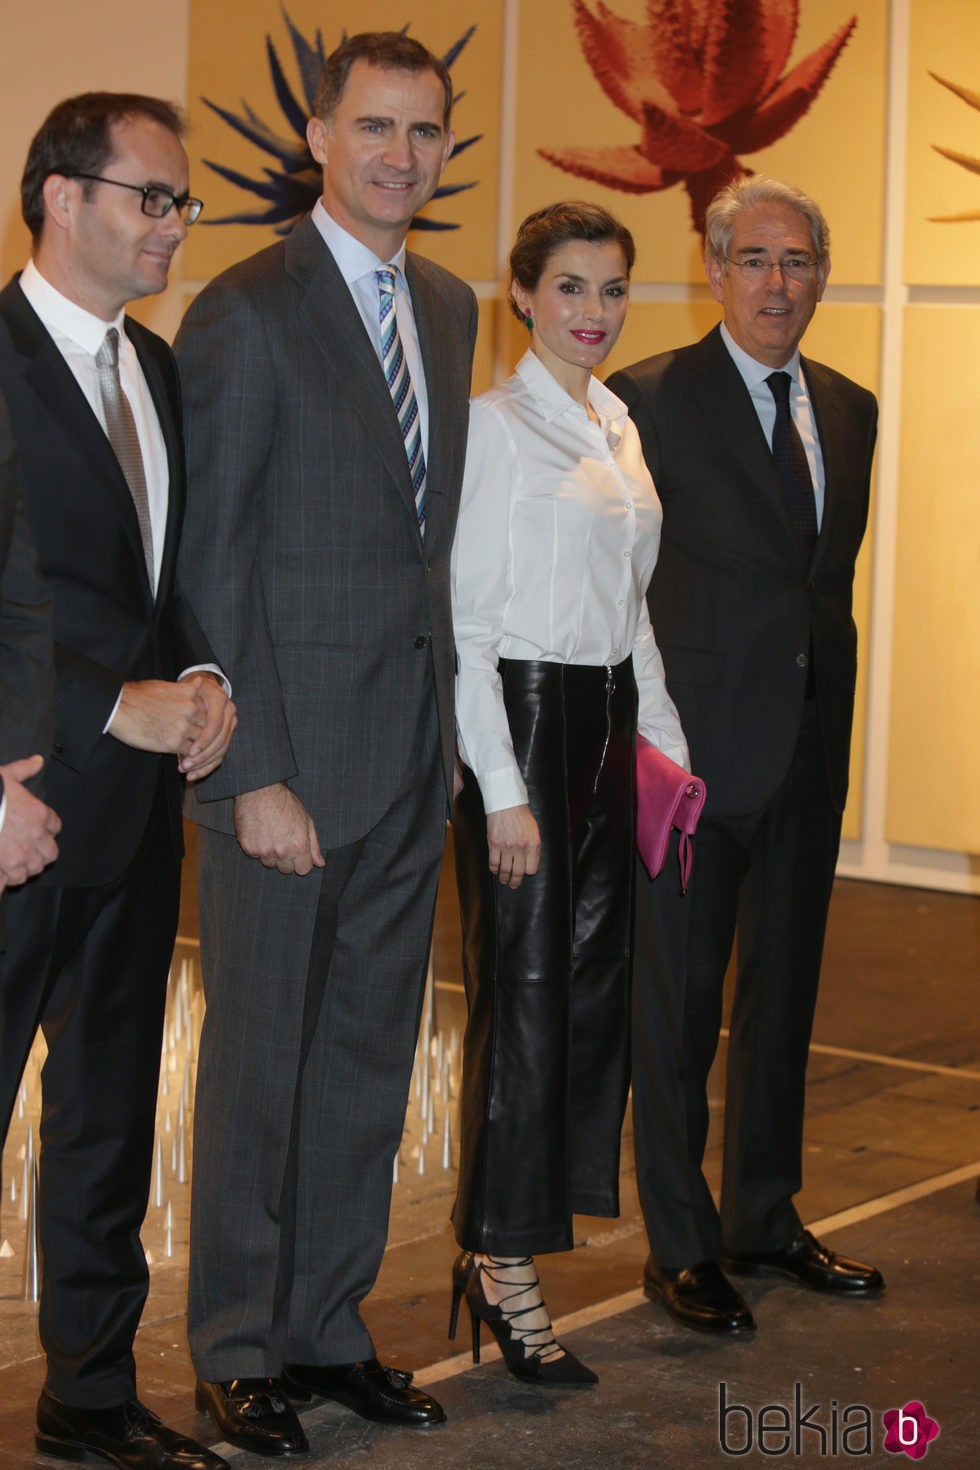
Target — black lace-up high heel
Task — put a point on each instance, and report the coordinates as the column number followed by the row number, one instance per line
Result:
column 531, row 1353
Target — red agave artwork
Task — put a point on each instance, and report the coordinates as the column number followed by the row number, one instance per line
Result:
column 704, row 81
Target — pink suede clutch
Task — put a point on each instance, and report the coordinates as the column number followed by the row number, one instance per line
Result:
column 666, row 796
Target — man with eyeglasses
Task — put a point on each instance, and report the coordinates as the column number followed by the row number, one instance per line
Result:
column 94, row 407
column 762, row 460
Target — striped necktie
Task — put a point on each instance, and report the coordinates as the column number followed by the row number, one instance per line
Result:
column 399, row 382
column 121, row 429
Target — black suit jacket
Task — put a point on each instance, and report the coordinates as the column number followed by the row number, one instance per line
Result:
column 734, row 608
column 109, row 628
column 26, row 669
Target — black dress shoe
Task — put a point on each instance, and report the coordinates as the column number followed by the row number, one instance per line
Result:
column 385, row 1395
column 806, row 1260
column 128, row 1436
column 254, row 1414
column 699, row 1296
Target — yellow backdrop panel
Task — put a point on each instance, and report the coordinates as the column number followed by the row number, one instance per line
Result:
column 561, row 105
column 933, row 786
column 945, row 39
column 848, row 338
column 228, row 64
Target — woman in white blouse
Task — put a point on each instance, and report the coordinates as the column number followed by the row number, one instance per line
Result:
column 558, row 533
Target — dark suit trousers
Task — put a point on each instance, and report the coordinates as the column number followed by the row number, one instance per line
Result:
column 90, row 965
column 314, row 990
column 767, row 876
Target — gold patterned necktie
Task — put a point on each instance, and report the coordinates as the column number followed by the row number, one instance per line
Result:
column 121, row 429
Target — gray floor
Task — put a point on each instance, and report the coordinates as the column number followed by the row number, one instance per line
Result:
column 658, row 1397
column 892, row 1158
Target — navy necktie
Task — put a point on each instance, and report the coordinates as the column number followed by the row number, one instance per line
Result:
column 793, row 467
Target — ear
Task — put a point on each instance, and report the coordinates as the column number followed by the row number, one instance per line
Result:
column 59, row 194
column 448, row 147
column 317, row 135
column 822, row 275
column 521, row 299
column 715, row 272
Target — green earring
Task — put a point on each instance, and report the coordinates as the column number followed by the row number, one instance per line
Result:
column 529, row 321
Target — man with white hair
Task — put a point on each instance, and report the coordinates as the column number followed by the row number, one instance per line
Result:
column 762, row 460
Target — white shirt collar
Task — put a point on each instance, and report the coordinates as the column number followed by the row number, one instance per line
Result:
column 65, row 316
column 552, row 400
column 354, row 259
column 755, row 373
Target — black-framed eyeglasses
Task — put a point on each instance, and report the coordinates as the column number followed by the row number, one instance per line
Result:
column 157, row 201
column 791, row 267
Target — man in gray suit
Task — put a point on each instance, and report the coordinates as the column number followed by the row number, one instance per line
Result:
column 318, row 544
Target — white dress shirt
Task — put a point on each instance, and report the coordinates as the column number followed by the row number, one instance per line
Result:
column 358, row 266
column 559, row 527
column 78, row 336
column 754, row 375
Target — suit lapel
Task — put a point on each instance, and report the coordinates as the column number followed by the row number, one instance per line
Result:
column 726, row 400
column 429, row 309
column 52, row 381
column 827, row 409
column 349, row 357
column 166, row 411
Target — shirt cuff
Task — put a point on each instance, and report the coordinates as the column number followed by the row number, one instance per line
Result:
column 112, row 716
column 501, row 789
column 207, row 669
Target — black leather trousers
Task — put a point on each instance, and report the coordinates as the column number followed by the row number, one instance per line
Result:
column 547, row 968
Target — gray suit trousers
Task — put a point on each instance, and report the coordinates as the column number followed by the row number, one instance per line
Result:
column 314, row 989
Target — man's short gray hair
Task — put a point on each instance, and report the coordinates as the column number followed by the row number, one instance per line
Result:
column 749, row 193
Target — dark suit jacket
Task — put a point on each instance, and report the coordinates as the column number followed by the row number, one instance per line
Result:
column 302, row 549
column 26, row 667
column 734, row 607
column 108, row 626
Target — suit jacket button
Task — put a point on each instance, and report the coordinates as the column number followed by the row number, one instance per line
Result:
column 58, row 749
column 802, row 660
column 421, row 641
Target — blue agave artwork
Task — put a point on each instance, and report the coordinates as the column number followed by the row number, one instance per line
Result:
column 292, row 188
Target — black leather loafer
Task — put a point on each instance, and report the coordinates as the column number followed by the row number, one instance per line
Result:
column 254, row 1414
column 699, row 1296
column 128, row 1436
column 385, row 1395
column 811, row 1263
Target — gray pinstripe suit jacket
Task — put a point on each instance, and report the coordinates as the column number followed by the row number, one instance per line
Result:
column 300, row 543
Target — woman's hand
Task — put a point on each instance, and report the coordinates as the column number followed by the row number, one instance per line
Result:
column 514, row 843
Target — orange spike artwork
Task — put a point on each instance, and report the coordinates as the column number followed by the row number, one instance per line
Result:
column 704, row 82
column 965, row 160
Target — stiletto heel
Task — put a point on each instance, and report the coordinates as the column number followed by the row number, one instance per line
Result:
column 463, row 1268
column 525, row 1358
